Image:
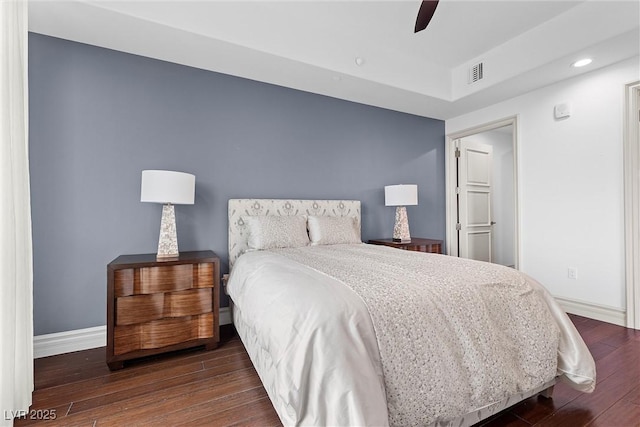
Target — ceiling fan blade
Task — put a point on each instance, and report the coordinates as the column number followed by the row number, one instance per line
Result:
column 427, row 8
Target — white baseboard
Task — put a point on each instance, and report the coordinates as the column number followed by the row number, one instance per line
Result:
column 84, row 339
column 604, row 313
column 225, row 316
column 68, row 341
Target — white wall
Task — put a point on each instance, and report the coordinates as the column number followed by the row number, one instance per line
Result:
column 571, row 182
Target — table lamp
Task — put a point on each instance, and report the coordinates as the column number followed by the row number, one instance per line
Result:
column 170, row 188
column 401, row 196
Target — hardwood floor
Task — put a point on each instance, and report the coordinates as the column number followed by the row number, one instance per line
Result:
column 186, row 388
column 221, row 388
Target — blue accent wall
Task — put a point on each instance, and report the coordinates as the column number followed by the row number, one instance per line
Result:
column 99, row 117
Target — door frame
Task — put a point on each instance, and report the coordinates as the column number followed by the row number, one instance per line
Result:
column 632, row 203
column 451, row 176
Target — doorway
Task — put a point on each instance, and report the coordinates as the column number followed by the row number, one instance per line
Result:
column 482, row 212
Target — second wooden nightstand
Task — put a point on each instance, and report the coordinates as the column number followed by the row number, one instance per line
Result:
column 158, row 306
column 416, row 244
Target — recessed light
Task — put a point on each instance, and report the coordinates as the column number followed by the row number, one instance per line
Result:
column 359, row 61
column 582, row 62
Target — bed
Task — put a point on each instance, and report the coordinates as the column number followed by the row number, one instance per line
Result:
column 345, row 333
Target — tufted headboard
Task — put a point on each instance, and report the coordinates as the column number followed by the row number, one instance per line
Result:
column 238, row 235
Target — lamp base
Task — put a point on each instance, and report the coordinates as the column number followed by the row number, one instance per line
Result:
column 168, row 242
column 401, row 227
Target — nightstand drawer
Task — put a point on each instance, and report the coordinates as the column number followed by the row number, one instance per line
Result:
column 150, row 280
column 144, row 308
column 162, row 333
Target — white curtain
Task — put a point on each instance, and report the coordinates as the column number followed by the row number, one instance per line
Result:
column 16, row 267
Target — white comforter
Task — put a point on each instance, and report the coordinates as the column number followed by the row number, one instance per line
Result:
column 369, row 335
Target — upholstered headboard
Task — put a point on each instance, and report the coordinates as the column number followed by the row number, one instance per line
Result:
column 238, row 234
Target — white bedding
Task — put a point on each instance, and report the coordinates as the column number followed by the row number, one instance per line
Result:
column 369, row 335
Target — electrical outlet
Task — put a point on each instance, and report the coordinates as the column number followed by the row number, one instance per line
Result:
column 572, row 273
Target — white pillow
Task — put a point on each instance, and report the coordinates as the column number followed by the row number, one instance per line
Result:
column 268, row 232
column 333, row 230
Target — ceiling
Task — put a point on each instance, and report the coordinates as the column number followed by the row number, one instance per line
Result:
column 364, row 51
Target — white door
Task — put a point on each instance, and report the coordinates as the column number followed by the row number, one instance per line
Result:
column 474, row 165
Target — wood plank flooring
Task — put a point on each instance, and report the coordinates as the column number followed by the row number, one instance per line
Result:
column 221, row 388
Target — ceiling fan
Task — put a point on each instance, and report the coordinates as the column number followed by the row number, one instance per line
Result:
column 427, row 9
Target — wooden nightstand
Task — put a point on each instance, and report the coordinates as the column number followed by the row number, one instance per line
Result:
column 159, row 306
column 416, row 244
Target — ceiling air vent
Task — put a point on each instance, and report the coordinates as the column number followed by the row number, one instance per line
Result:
column 476, row 73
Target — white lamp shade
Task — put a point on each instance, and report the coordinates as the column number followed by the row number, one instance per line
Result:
column 401, row 195
column 177, row 188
